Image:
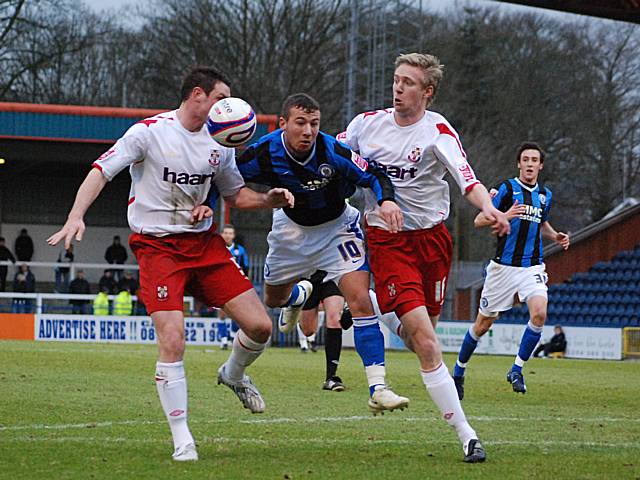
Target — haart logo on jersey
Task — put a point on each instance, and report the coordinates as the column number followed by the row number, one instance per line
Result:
column 398, row 172
column 360, row 162
column 326, row 171
column 162, row 292
column 415, row 156
column 184, row 178
column 214, row 158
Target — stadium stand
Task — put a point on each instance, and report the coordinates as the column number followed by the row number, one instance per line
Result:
column 604, row 296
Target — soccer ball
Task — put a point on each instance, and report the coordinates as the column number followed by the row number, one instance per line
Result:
column 231, row 122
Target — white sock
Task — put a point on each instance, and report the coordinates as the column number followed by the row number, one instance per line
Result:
column 171, row 384
column 302, row 339
column 443, row 392
column 243, row 353
column 389, row 320
column 375, row 375
column 312, row 338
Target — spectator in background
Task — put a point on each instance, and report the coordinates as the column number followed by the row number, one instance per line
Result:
column 23, row 246
column 79, row 286
column 101, row 302
column 5, row 254
column 62, row 273
column 238, row 251
column 116, row 254
column 23, row 282
column 127, row 282
column 123, row 303
column 558, row 343
column 108, row 283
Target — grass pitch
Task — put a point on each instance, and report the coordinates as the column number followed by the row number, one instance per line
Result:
column 90, row 411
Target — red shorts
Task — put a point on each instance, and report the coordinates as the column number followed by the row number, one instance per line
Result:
column 410, row 268
column 199, row 263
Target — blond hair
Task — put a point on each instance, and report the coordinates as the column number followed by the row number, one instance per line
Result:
column 430, row 66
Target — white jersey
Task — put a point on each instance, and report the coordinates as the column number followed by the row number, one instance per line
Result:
column 416, row 158
column 172, row 171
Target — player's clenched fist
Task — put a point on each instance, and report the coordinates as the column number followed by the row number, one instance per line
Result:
column 392, row 215
column 280, row 197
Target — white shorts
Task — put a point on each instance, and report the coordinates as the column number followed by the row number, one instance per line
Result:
column 503, row 282
column 295, row 251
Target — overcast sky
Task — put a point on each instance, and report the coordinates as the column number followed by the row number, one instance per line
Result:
column 99, row 5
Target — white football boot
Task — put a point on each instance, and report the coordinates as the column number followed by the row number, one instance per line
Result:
column 289, row 315
column 245, row 390
column 185, row 453
column 385, row 399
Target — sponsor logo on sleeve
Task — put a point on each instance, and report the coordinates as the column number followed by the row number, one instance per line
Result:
column 342, row 137
column 467, row 173
column 107, row 154
column 360, row 162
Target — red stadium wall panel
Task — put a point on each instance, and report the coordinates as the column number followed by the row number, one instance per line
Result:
column 16, row 326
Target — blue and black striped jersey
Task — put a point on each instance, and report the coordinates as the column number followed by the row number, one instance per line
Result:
column 320, row 183
column 523, row 246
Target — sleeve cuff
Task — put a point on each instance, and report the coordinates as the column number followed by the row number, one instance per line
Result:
column 384, row 199
column 471, row 187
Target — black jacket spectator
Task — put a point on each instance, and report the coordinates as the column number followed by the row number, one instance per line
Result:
column 23, row 246
column 127, row 282
column 24, row 281
column 80, row 286
column 558, row 343
column 107, row 283
column 5, row 254
column 116, row 253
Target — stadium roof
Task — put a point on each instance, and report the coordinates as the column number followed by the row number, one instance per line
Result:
column 624, row 10
column 52, row 137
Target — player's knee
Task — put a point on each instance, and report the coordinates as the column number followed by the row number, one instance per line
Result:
column 307, row 330
column 333, row 320
column 259, row 331
column 172, row 345
column 360, row 305
column 538, row 317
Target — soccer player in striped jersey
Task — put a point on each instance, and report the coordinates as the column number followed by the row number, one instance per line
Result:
column 321, row 231
column 517, row 267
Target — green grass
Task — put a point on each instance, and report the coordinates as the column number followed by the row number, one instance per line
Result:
column 91, row 411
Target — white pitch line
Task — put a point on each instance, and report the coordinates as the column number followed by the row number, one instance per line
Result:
column 325, row 441
column 278, row 420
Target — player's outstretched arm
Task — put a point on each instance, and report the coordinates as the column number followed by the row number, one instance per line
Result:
column 479, row 198
column 87, row 193
column 247, row 199
column 549, row 233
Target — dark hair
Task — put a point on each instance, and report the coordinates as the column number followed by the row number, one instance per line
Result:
column 117, row 237
column 228, row 225
column 530, row 146
column 299, row 100
column 1, row 239
column 203, row 77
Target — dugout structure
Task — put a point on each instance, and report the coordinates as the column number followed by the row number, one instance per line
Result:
column 631, row 342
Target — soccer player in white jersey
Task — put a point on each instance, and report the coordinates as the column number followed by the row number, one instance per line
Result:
column 175, row 167
column 417, row 147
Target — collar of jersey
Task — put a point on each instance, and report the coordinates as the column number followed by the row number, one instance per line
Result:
column 406, row 127
column 531, row 189
column 306, row 160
